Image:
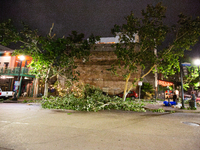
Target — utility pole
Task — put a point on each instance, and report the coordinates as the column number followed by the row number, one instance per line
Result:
column 182, row 92
column 156, row 76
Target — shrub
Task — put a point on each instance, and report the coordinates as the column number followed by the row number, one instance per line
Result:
column 147, row 90
column 25, row 101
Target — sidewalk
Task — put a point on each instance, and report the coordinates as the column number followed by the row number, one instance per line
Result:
column 22, row 99
column 160, row 104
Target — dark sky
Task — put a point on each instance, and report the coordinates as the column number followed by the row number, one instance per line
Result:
column 87, row 16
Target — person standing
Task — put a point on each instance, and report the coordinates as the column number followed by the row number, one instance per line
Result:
column 193, row 99
column 175, row 98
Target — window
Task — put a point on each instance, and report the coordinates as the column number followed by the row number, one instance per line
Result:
column 6, row 65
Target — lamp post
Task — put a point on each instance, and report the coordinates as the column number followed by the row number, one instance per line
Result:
column 139, row 84
column 18, row 83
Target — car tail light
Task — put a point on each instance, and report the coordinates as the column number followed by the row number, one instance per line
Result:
column 0, row 93
column 136, row 95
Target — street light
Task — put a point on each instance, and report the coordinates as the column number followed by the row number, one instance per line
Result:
column 21, row 58
column 197, row 62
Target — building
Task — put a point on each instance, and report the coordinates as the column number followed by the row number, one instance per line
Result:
column 13, row 71
column 96, row 70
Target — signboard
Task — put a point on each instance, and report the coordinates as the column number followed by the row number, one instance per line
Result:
column 16, row 88
column 185, row 64
column 17, row 83
column 165, row 83
column 140, row 83
column 185, row 69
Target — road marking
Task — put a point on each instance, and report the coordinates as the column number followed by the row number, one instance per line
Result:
column 5, row 121
column 14, row 122
column 19, row 123
column 191, row 124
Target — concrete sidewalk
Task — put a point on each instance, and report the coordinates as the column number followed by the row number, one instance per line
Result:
column 160, row 104
column 22, row 99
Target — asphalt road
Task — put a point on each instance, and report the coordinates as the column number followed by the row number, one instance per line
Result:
column 29, row 127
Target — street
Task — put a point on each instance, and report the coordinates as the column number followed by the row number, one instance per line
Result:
column 29, row 127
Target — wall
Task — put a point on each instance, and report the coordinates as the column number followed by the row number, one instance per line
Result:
column 95, row 71
column 25, row 62
column 6, row 57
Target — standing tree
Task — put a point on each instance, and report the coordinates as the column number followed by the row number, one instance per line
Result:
column 191, row 79
column 152, row 32
column 51, row 56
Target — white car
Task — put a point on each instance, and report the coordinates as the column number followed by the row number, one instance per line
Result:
column 6, row 94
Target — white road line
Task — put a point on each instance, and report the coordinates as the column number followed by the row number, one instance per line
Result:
column 13, row 122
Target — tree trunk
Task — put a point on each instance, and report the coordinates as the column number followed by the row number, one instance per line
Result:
column 126, row 86
column 192, row 88
column 46, row 84
column 36, row 87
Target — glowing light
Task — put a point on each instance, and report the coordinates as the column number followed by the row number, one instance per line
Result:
column 21, row 57
column 106, row 43
column 7, row 77
column 197, row 62
column 3, row 77
column 7, row 54
column 165, row 83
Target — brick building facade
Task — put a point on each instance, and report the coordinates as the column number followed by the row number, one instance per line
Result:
column 96, row 70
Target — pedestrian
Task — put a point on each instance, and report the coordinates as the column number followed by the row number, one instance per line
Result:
column 193, row 97
column 175, row 98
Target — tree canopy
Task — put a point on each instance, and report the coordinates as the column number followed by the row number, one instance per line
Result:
column 152, row 33
column 51, row 55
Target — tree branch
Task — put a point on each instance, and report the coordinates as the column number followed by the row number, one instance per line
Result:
column 148, row 71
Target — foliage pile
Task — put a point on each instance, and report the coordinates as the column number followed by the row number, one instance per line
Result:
column 159, row 110
column 92, row 100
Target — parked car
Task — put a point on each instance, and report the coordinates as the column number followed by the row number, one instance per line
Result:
column 6, row 94
column 198, row 100
column 131, row 94
column 187, row 97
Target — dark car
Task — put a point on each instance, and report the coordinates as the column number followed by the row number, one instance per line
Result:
column 131, row 94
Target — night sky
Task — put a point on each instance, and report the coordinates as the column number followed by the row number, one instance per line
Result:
column 88, row 16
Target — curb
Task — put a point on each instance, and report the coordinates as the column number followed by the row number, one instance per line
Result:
column 169, row 109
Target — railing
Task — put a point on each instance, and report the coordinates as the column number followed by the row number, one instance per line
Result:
column 14, row 71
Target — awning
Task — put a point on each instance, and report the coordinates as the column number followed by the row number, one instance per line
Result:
column 165, row 83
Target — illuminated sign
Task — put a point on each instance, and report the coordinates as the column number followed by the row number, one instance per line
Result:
column 165, row 83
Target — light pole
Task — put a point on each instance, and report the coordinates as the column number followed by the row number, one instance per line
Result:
column 18, row 83
column 139, row 84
